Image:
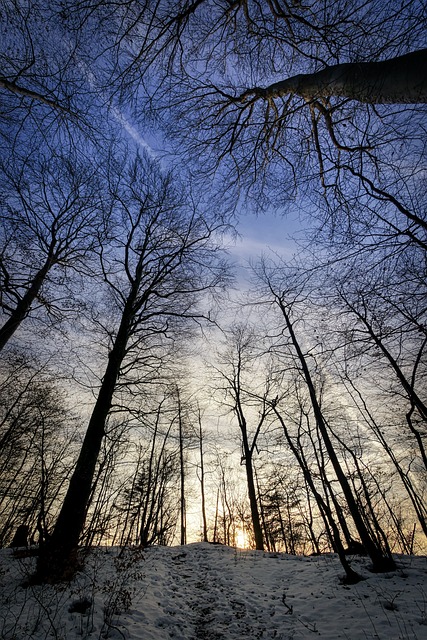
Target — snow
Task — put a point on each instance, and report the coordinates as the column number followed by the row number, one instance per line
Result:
column 212, row 592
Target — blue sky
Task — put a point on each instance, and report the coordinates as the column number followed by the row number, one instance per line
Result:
column 260, row 234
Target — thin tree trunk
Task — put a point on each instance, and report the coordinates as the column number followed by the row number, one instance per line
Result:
column 247, row 459
column 309, row 520
column 379, row 561
column 282, row 527
column 328, row 489
column 215, row 531
column 202, row 480
column 182, row 474
column 261, row 513
column 150, row 488
column 415, row 400
column 24, row 305
column 418, row 505
column 352, row 576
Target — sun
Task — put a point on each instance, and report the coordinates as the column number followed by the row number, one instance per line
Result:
column 241, row 539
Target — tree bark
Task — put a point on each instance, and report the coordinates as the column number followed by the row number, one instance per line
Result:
column 400, row 80
column 57, row 560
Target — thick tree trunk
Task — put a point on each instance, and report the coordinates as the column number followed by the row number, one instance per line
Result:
column 401, row 80
column 57, row 560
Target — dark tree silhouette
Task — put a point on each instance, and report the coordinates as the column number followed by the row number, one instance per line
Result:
column 236, row 365
column 164, row 259
column 51, row 219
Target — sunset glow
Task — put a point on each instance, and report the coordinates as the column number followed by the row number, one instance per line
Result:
column 241, row 539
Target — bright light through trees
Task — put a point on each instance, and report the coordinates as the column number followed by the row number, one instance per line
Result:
column 242, row 541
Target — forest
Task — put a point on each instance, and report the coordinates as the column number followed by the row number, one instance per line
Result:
column 151, row 394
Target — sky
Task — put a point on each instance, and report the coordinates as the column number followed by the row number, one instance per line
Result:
column 266, row 231
column 257, row 233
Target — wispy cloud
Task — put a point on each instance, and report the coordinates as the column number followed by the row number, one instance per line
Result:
column 132, row 131
column 117, row 113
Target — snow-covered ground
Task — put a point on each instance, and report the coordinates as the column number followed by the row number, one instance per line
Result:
column 209, row 592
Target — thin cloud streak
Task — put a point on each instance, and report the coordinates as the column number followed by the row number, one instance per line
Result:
column 133, row 132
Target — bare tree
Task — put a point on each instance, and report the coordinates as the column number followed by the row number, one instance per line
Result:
column 201, row 474
column 162, row 261
column 237, row 366
column 279, row 88
column 108, row 483
column 51, row 221
column 148, row 500
column 37, row 447
column 369, row 292
column 285, row 295
column 372, row 324
column 182, row 474
column 231, row 504
column 46, row 86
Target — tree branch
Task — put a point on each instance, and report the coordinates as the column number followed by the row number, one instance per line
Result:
column 400, row 80
column 34, row 95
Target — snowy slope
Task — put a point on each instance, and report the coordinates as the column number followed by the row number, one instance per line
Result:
column 211, row 592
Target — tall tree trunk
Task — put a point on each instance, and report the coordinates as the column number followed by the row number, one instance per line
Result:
column 57, row 560
column 380, row 562
column 329, row 490
column 150, row 488
column 419, row 506
column 202, row 480
column 259, row 538
column 261, row 513
column 309, row 522
column 331, row 527
column 182, row 474
column 282, row 527
column 215, row 531
column 247, row 459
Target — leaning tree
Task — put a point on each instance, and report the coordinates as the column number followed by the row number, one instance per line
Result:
column 161, row 258
column 52, row 217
